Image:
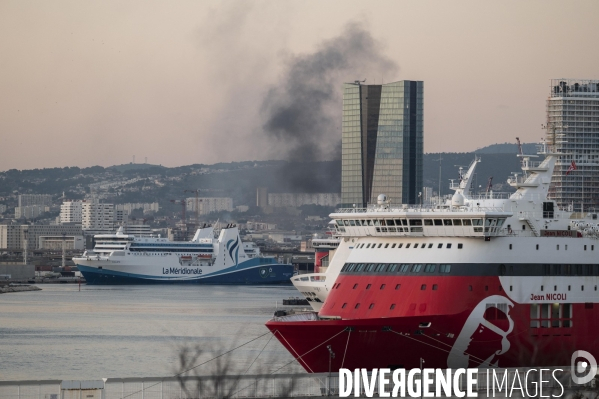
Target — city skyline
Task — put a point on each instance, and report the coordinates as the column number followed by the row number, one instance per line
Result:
column 88, row 84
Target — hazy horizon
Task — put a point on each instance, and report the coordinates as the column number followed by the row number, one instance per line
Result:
column 94, row 83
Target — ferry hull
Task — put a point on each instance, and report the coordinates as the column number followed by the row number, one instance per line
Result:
column 483, row 326
column 268, row 274
column 398, row 343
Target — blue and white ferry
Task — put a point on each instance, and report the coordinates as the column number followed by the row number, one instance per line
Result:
column 126, row 259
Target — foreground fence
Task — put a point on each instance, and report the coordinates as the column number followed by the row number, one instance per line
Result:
column 272, row 386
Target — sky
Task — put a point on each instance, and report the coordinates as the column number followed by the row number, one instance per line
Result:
column 86, row 83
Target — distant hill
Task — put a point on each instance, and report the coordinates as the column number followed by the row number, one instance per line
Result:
column 134, row 166
column 507, row 148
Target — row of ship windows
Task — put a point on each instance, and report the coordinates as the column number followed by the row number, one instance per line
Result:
column 408, row 245
column 421, row 222
column 435, row 287
column 394, row 268
column 173, row 245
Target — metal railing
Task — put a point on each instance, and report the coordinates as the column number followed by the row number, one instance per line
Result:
column 278, row 385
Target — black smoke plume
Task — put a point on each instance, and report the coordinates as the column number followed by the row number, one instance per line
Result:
column 303, row 112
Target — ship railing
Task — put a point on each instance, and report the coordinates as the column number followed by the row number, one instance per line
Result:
column 421, row 209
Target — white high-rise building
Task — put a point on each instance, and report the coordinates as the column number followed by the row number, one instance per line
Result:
column 71, row 212
column 573, row 129
column 97, row 218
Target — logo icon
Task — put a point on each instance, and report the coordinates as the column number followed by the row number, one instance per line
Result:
column 580, row 367
column 263, row 272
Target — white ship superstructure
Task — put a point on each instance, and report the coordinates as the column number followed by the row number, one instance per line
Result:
column 520, row 227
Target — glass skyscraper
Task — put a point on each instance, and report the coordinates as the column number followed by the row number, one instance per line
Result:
column 573, row 130
column 382, row 142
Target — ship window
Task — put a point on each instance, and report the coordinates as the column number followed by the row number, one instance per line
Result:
column 523, row 227
column 423, row 287
column 367, row 245
column 568, row 288
column 397, row 222
column 392, row 267
column 469, row 288
column 447, row 222
column 377, row 222
column 392, row 306
column 438, row 222
column 430, row 245
column 467, row 222
column 415, row 222
column 352, row 223
column 416, row 268
column 460, row 246
column 477, row 222
column 380, row 245
column 537, row 247
column 486, row 288
column 501, row 288
column 345, row 222
column 566, row 247
column 343, row 306
column 371, row 306
column 400, row 245
column 582, row 287
column 408, row 245
column 444, row 268
column 585, row 247
column 355, row 286
column 386, row 245
column 416, row 245
column 428, row 222
column 393, row 246
column 511, row 288
column 510, row 246
column 397, row 286
column 370, row 267
column 368, row 286
column 360, row 267
column 430, row 268
column 404, row 268
column 382, row 286
column 457, row 222
column 448, row 245
column 542, row 288
column 381, row 267
column 357, row 306
column 592, row 247
column 440, row 245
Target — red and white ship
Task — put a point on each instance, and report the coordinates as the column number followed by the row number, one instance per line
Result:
column 488, row 281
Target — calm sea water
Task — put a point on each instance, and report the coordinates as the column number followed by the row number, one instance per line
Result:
column 135, row 331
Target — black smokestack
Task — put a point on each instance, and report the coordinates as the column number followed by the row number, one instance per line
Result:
column 303, row 112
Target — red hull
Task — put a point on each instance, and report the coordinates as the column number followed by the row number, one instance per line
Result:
column 396, row 328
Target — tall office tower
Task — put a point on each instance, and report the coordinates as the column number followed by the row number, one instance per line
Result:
column 573, row 129
column 382, row 142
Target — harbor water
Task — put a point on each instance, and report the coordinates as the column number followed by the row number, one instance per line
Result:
column 137, row 331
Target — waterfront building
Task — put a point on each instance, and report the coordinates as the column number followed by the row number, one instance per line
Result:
column 287, row 200
column 382, row 142
column 2, row 208
column 573, row 128
column 55, row 242
column 12, row 236
column 146, row 207
column 35, row 199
